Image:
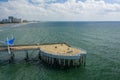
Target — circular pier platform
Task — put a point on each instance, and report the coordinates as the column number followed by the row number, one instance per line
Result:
column 62, row 54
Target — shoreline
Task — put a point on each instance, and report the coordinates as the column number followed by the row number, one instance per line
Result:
column 6, row 24
column 1, row 25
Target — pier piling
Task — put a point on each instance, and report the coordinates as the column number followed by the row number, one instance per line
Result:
column 27, row 56
column 11, row 57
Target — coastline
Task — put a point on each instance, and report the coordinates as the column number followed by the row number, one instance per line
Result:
column 3, row 24
column 6, row 24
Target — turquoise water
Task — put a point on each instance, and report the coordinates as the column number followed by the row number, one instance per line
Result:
column 100, row 39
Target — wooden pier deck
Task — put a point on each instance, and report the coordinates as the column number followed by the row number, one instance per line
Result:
column 57, row 53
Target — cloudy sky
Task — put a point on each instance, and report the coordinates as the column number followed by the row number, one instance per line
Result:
column 61, row 10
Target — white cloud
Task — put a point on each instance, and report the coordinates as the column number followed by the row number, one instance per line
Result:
column 38, row 1
column 42, row 1
column 69, row 10
column 117, row 0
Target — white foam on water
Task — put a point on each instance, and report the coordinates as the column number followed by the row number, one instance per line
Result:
column 18, row 25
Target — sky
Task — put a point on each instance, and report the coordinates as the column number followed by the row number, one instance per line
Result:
column 61, row 10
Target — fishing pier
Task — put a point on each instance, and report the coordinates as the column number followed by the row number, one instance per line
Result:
column 60, row 54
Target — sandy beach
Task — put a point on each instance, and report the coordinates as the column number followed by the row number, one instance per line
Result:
column 2, row 25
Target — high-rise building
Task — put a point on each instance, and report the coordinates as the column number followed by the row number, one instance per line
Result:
column 11, row 18
column 16, row 20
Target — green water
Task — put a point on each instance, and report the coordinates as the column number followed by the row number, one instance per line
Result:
column 101, row 40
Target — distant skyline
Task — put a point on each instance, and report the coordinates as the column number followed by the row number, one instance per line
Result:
column 61, row 10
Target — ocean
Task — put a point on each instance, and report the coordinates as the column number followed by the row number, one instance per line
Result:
column 101, row 40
